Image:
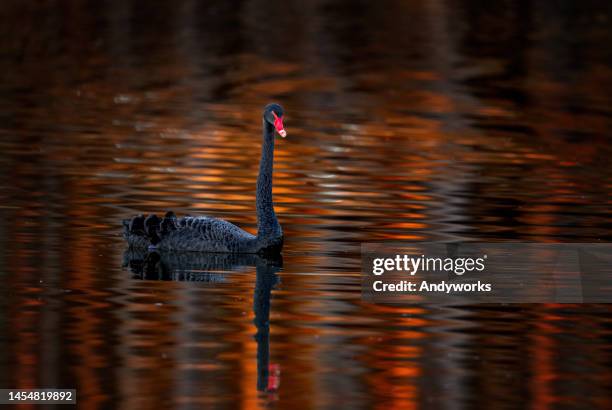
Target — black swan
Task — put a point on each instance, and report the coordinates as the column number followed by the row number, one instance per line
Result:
column 205, row 234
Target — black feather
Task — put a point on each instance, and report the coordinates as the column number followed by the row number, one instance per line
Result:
column 168, row 224
column 152, row 225
column 136, row 225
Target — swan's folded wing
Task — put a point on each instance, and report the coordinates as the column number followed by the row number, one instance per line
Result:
column 205, row 234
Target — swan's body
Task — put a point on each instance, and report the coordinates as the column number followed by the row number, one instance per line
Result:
column 205, row 234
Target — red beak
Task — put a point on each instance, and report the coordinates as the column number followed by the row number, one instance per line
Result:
column 278, row 124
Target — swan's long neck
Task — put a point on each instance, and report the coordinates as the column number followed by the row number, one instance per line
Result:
column 268, row 226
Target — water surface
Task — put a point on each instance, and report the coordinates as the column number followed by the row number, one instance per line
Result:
column 437, row 121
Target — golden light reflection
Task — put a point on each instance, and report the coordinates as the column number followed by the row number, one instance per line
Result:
column 407, row 133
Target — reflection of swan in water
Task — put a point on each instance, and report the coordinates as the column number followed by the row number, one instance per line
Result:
column 212, row 267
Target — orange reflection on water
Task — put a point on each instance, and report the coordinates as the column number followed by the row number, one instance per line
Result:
column 408, row 124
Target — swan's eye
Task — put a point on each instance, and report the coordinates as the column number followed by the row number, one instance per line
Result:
column 278, row 124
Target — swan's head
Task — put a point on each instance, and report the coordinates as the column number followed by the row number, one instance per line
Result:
column 273, row 114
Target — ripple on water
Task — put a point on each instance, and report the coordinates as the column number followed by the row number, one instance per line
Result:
column 396, row 131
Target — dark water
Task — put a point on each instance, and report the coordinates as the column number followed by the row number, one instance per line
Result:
column 434, row 120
